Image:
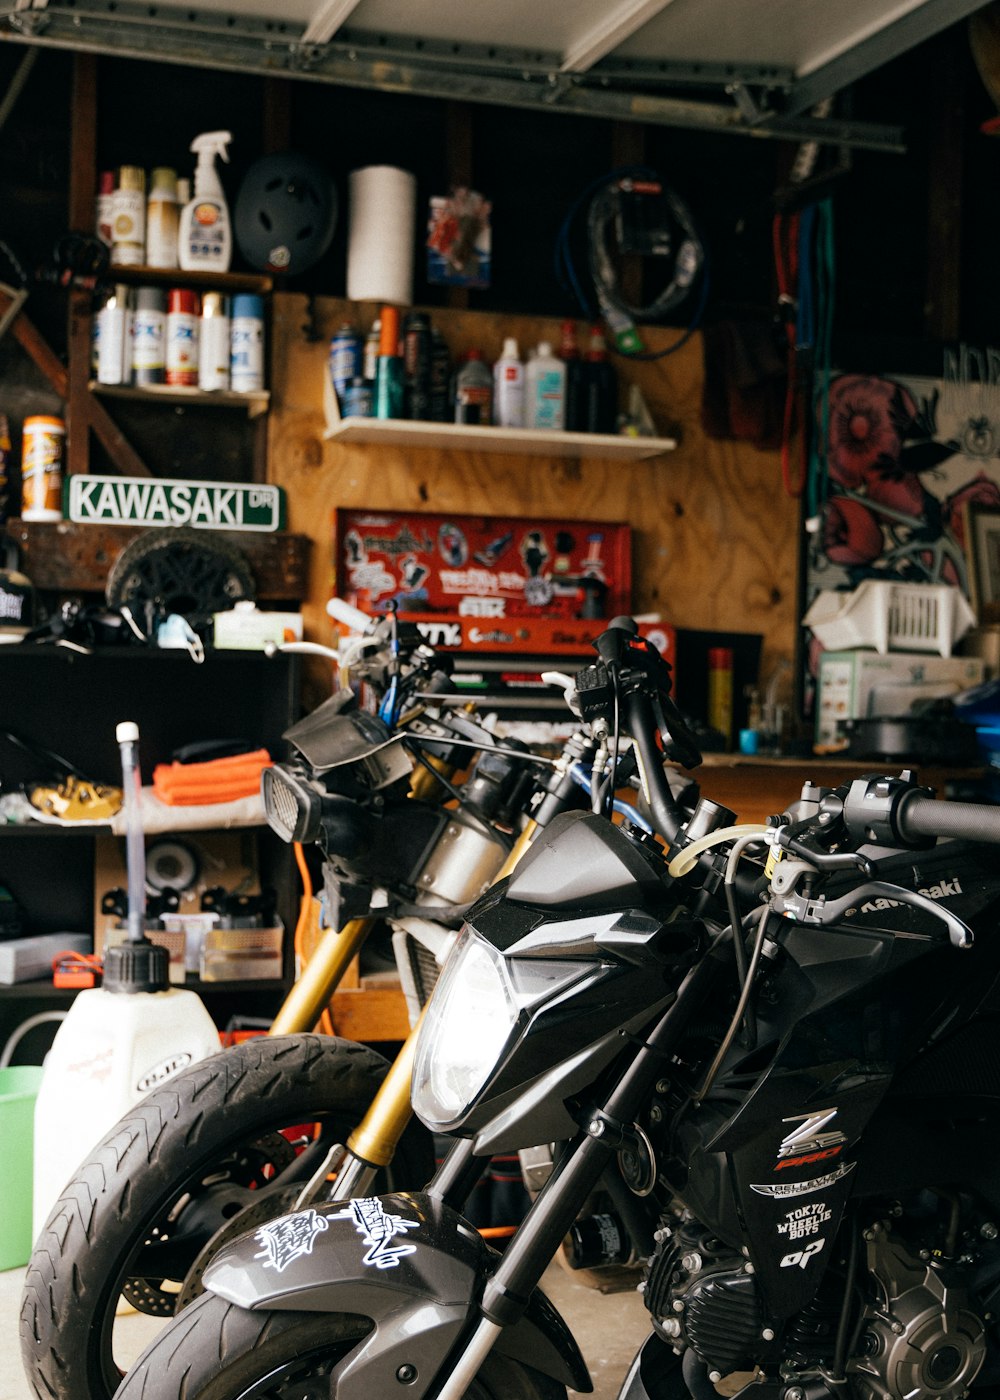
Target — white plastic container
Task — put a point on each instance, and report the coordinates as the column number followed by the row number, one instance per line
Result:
column 545, row 390
column 111, row 1050
column 891, row 616
column 508, row 387
column 205, row 241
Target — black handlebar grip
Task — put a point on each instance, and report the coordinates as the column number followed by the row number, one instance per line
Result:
column 920, row 815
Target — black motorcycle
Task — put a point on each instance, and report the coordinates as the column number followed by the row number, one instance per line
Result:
column 782, row 1039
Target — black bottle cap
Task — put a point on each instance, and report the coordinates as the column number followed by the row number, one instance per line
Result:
column 139, row 966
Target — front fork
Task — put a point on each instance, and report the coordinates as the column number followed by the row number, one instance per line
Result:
column 555, row 1208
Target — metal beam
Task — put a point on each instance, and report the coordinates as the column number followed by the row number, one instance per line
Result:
column 618, row 24
column 881, row 46
column 275, row 48
column 327, row 19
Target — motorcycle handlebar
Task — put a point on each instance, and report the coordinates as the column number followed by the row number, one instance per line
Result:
column 920, row 815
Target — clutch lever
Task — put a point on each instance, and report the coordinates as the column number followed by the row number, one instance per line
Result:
column 823, row 911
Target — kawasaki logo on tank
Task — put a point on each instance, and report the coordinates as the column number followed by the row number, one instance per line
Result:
column 203, row 505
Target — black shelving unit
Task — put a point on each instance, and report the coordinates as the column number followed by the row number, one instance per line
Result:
column 70, row 704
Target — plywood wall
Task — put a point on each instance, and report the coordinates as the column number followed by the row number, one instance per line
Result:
column 714, row 535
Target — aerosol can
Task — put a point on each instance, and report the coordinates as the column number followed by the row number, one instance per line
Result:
column 119, row 1040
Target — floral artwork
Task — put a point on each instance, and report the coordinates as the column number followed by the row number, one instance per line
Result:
column 903, row 458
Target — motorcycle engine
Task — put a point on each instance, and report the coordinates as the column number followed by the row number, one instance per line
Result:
column 919, row 1332
column 702, row 1293
column 921, row 1336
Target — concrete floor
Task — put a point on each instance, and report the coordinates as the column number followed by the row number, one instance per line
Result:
column 608, row 1327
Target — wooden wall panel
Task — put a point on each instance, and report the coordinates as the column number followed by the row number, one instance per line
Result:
column 715, row 537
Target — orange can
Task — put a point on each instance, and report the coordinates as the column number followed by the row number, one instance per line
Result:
column 42, row 443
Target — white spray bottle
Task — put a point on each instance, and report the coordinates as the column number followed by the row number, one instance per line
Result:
column 205, row 242
column 120, row 1040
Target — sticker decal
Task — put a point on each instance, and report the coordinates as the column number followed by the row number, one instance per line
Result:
column 805, row 1220
column 809, row 1137
column 777, row 1190
column 379, row 1229
column 286, row 1239
column 801, row 1257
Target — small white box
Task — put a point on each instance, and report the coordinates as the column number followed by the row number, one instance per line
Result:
column 865, row 685
column 246, row 628
column 22, row 959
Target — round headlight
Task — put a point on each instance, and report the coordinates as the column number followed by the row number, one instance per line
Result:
column 468, row 1021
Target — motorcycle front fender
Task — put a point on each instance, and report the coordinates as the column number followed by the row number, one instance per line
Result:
column 407, row 1262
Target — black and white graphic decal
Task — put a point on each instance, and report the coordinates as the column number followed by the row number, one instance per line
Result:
column 379, row 1229
column 805, row 1220
column 783, row 1189
column 809, row 1136
column 286, row 1239
column 800, row 1258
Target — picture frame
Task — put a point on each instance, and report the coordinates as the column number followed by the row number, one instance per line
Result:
column 982, row 551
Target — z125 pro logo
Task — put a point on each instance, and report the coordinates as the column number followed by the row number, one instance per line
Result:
column 808, row 1142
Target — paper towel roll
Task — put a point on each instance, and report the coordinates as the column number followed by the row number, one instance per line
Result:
column 381, row 236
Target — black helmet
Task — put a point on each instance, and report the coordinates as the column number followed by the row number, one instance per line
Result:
column 286, row 212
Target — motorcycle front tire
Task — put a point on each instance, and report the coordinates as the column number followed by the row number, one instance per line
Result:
column 219, row 1116
column 217, row 1351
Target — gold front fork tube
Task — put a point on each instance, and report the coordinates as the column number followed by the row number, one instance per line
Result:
column 320, row 978
column 376, row 1137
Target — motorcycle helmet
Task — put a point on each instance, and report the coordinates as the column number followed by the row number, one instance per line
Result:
column 286, row 212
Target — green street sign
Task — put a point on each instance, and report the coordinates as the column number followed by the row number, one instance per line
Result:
column 144, row 500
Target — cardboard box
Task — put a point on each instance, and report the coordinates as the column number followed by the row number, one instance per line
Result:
column 865, row 685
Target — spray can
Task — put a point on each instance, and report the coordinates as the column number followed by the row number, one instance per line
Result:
column 346, row 348
column 440, row 378
column 5, row 452
column 720, row 691
column 182, row 337
column 389, row 371
column 214, row 349
column 358, row 400
column 119, row 1040
column 417, row 365
column 162, row 219
column 246, row 343
column 128, row 217
column 114, row 328
column 369, row 358
column 104, row 203
column 149, row 336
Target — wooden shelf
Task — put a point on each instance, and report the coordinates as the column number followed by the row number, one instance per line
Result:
column 255, row 403
column 523, row 442
column 177, row 277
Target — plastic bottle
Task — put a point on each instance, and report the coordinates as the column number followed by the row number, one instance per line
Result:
column 42, row 440
column 128, row 217
column 182, row 337
column 162, row 219
column 598, row 387
column 119, row 1040
column 214, row 342
column 440, row 391
column 246, row 343
column 545, row 390
column 114, row 338
column 508, row 387
column 149, row 336
column 206, row 235
column 474, row 391
column 574, row 414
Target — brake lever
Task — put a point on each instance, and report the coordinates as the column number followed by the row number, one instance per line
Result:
column 821, row 911
column 826, row 861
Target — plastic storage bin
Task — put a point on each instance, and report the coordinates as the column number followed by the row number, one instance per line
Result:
column 18, row 1091
column 891, row 616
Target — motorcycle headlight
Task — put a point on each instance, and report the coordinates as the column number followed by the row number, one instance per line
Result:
column 468, row 1021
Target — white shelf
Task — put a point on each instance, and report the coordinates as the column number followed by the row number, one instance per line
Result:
column 254, row 403
column 461, row 437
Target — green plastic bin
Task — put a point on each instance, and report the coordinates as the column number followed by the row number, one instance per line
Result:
column 18, row 1091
